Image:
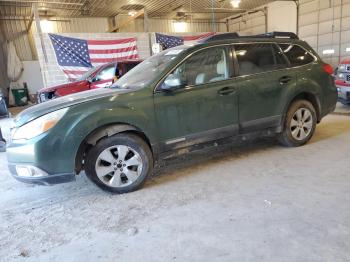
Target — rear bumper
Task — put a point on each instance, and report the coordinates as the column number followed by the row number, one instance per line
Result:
column 43, row 179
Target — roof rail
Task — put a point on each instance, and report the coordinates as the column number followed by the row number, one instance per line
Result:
column 277, row 34
column 224, row 36
column 227, row 36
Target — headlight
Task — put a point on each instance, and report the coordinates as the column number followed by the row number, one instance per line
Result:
column 342, row 67
column 39, row 125
column 341, row 76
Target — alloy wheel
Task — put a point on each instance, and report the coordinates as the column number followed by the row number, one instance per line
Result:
column 118, row 166
column 301, row 124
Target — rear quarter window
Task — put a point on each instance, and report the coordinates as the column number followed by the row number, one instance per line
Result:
column 297, row 55
column 258, row 58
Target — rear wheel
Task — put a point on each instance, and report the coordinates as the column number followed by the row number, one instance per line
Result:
column 119, row 164
column 300, row 124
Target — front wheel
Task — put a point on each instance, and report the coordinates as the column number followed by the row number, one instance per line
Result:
column 120, row 163
column 300, row 124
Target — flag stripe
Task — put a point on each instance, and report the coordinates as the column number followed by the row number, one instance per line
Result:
column 108, row 60
column 110, row 51
column 113, row 55
column 74, row 72
column 111, row 46
column 111, row 42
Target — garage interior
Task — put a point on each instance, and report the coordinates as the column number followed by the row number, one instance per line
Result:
column 256, row 201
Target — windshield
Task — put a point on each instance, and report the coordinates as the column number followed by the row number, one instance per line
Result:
column 87, row 74
column 141, row 75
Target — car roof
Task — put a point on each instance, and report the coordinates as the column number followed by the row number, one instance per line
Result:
column 251, row 40
column 234, row 38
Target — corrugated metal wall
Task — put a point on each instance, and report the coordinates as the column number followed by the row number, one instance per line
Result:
column 16, row 30
column 325, row 25
column 164, row 25
column 167, row 26
column 79, row 25
column 248, row 24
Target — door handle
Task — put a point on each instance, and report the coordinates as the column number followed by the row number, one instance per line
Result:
column 285, row 79
column 227, row 91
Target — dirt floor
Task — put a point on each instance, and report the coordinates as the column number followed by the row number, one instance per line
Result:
column 259, row 202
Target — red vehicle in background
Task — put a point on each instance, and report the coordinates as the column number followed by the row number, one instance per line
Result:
column 97, row 77
column 342, row 81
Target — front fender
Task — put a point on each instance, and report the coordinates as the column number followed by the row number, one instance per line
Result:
column 82, row 120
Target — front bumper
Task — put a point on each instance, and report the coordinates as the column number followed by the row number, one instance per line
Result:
column 344, row 94
column 42, row 179
column 40, row 160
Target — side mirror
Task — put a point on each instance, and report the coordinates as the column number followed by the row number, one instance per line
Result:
column 173, row 82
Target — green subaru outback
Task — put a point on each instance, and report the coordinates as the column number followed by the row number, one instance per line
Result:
column 182, row 99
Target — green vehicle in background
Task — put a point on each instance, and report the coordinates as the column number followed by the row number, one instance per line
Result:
column 181, row 99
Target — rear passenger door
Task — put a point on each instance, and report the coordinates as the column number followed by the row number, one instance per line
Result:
column 263, row 80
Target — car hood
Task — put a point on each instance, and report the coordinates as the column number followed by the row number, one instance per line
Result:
column 65, row 101
column 65, row 85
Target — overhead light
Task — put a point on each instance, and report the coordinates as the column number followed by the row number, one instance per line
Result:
column 132, row 13
column 347, row 49
column 235, row 3
column 328, row 52
column 180, row 26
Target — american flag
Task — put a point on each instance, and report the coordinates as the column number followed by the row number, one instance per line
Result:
column 168, row 41
column 76, row 56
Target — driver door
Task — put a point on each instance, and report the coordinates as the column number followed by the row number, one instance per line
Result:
column 204, row 104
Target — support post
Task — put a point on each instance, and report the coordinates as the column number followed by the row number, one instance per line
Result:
column 145, row 20
column 39, row 31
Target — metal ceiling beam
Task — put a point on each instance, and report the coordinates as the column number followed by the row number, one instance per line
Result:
column 99, row 8
column 31, row 19
column 42, row 2
column 127, row 21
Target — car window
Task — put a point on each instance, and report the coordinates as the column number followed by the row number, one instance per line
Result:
column 106, row 74
column 297, row 55
column 206, row 66
column 258, row 58
column 144, row 73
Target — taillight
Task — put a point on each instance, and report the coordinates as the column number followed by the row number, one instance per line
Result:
column 328, row 69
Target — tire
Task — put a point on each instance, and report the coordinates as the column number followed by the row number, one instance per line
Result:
column 299, row 125
column 120, row 163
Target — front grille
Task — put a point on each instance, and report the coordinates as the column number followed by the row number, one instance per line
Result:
column 347, row 78
column 348, row 68
column 348, row 95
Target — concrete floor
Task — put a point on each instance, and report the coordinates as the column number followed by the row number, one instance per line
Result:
column 260, row 202
column 342, row 109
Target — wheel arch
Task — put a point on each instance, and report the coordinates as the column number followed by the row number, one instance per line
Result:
column 308, row 96
column 105, row 131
